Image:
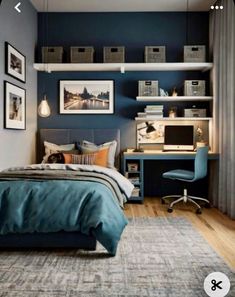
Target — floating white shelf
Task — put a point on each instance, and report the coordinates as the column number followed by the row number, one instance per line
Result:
column 123, row 67
column 171, row 98
column 143, row 119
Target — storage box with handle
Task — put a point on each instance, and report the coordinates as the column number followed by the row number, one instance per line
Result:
column 52, row 54
column 114, row 54
column 155, row 54
column 194, row 88
column 195, row 53
column 79, row 54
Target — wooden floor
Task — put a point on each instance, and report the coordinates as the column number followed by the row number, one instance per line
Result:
column 215, row 227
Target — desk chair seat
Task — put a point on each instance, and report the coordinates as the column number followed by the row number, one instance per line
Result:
column 200, row 171
column 184, row 175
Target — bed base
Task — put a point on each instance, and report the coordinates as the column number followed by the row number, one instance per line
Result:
column 48, row 240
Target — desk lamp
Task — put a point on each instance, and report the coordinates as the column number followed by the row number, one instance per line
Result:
column 149, row 129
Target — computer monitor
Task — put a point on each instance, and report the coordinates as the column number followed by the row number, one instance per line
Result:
column 179, row 138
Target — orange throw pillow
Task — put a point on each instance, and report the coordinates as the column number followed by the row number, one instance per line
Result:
column 102, row 157
column 67, row 158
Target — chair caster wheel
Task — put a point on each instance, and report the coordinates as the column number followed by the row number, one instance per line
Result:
column 198, row 211
column 163, row 201
column 170, row 210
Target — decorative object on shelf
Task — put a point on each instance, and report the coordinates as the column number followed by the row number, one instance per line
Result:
column 86, row 96
column 148, row 88
column 133, row 167
column 83, row 54
column 15, row 63
column 150, row 132
column 155, row 54
column 135, row 192
column 15, row 107
column 114, row 54
column 194, row 87
column 200, row 138
column 174, row 92
column 44, row 110
column 173, row 112
column 194, row 53
column 163, row 93
column 138, row 150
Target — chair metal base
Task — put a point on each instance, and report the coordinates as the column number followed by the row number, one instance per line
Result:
column 185, row 198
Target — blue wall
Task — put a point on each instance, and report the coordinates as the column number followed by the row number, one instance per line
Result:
column 132, row 30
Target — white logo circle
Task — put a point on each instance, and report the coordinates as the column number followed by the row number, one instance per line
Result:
column 217, row 284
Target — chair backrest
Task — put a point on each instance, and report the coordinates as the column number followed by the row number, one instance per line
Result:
column 200, row 164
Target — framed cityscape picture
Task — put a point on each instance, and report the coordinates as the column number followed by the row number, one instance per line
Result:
column 14, row 107
column 15, row 63
column 86, row 96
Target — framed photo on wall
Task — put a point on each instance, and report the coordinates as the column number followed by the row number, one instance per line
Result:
column 15, row 63
column 86, row 96
column 14, row 107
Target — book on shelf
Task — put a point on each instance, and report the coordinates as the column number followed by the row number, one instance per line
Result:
column 134, row 180
column 153, row 111
column 155, row 106
column 149, row 116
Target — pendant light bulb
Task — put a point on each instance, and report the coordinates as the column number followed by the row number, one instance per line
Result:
column 44, row 110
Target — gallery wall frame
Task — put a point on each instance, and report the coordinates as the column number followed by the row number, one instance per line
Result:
column 86, row 96
column 14, row 107
column 15, row 63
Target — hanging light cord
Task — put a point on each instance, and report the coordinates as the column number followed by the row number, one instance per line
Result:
column 47, row 27
column 187, row 22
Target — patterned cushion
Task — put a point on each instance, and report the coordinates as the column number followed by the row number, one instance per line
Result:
column 52, row 148
column 87, row 159
column 99, row 158
column 87, row 147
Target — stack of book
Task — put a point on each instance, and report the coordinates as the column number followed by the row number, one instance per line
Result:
column 152, row 112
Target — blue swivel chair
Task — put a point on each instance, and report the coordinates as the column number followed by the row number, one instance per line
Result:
column 200, row 171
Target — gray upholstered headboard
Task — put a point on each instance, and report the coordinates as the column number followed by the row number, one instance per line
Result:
column 66, row 136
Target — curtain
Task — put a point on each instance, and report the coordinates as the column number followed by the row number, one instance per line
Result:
column 222, row 47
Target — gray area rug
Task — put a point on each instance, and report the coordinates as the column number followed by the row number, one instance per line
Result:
column 156, row 257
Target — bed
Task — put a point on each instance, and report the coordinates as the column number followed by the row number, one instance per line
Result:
column 64, row 205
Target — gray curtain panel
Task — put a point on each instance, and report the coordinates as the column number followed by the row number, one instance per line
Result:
column 222, row 47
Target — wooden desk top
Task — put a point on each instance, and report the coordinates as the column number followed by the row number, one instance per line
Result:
column 170, row 155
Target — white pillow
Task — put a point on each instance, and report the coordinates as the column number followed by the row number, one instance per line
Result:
column 92, row 147
column 51, row 148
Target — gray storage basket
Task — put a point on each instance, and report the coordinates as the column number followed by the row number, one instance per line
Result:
column 148, row 88
column 194, row 87
column 83, row 54
column 155, row 54
column 195, row 53
column 114, row 54
column 195, row 112
column 52, row 54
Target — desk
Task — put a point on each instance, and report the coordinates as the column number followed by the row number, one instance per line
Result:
column 136, row 175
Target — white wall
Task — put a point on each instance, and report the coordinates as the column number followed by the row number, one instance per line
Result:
column 17, row 147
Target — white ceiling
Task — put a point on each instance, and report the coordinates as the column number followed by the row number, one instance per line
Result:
column 122, row 5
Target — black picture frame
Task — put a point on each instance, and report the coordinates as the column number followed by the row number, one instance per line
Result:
column 14, row 107
column 15, row 63
column 96, row 86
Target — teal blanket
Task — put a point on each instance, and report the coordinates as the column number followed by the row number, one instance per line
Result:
column 47, row 205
